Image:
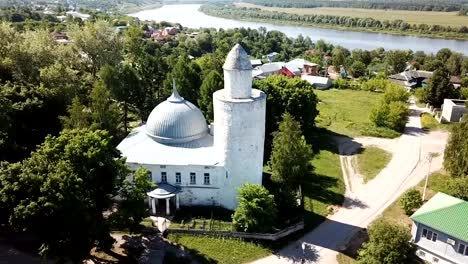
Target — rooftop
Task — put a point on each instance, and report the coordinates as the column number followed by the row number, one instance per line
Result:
column 446, row 214
column 237, row 59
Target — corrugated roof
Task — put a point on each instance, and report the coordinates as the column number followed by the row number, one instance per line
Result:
column 446, row 214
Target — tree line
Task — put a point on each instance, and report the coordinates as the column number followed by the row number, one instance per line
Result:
column 413, row 5
column 397, row 25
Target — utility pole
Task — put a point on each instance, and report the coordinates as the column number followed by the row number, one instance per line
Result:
column 429, row 159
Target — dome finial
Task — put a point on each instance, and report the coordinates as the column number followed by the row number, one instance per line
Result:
column 175, row 96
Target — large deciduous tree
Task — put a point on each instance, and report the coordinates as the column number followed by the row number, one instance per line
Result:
column 256, row 211
column 187, row 75
column 60, row 192
column 456, row 152
column 439, row 87
column 99, row 44
column 211, row 84
column 388, row 244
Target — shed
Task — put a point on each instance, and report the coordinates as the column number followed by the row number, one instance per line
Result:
column 318, row 82
column 453, row 110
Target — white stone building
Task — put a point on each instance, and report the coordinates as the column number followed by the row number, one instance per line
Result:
column 197, row 164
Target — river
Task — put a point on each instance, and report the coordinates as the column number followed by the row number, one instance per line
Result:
column 189, row 16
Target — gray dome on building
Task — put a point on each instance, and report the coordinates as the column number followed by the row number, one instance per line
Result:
column 175, row 121
column 237, row 59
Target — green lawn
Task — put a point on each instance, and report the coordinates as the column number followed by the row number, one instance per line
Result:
column 345, row 112
column 371, row 161
column 326, row 187
column 220, row 250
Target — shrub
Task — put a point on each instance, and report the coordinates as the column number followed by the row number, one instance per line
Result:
column 374, row 85
column 256, row 211
column 410, row 201
column 388, row 244
column 392, row 111
column 383, row 132
column 341, row 84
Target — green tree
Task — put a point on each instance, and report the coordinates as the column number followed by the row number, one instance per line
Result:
column 133, row 193
column 396, row 59
column 392, row 110
column 256, row 211
column 456, row 151
column 60, row 192
column 290, row 156
column 358, row 69
column 79, row 116
column 211, row 84
column 444, row 54
column 439, row 87
column 454, row 63
column 99, row 42
column 388, row 244
column 411, row 201
column 187, row 76
column 339, row 58
column 458, row 187
column 124, row 84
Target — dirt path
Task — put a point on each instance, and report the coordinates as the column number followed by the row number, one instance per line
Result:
column 365, row 202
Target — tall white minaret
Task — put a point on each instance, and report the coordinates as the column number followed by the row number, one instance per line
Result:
column 239, row 126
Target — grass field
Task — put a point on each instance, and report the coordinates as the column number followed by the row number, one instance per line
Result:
column 412, row 17
column 220, row 250
column 345, row 112
column 326, row 187
column 371, row 161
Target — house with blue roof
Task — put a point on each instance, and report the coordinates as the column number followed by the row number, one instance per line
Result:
column 440, row 230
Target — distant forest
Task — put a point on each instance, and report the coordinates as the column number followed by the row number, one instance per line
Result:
column 413, row 5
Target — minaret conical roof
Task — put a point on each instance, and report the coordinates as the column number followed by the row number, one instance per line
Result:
column 237, row 59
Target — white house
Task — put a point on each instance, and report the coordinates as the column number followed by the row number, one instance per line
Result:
column 440, row 230
column 197, row 164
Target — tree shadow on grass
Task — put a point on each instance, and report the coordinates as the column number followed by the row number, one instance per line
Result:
column 324, row 139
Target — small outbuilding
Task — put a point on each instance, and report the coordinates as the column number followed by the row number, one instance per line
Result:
column 453, row 110
column 318, row 82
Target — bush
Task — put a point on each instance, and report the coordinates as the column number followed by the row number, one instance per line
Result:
column 256, row 211
column 392, row 111
column 383, row 132
column 341, row 84
column 421, row 95
column 388, row 244
column 374, row 85
column 411, row 201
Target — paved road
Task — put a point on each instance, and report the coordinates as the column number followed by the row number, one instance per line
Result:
column 365, row 202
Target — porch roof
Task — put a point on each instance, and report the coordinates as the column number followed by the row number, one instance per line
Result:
column 163, row 191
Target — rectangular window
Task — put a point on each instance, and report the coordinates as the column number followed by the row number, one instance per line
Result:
column 461, row 248
column 434, row 237
column 429, row 235
column 163, row 176
column 206, row 179
column 193, row 178
column 178, row 178
column 150, row 176
column 424, row 232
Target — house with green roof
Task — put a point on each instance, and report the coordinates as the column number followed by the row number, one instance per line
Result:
column 440, row 230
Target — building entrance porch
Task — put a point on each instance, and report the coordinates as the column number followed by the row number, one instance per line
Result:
column 161, row 198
